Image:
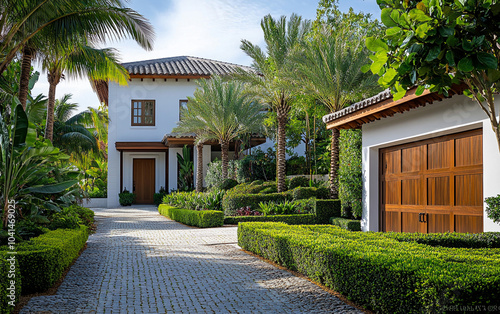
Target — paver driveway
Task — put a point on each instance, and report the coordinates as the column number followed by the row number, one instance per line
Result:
column 141, row 262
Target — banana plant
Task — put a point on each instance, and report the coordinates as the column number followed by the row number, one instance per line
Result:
column 25, row 162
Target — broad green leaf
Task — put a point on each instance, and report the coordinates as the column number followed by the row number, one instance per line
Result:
column 422, row 30
column 389, row 75
column 395, row 16
column 393, row 31
column 400, row 91
column 465, row 65
column 493, row 75
column 433, row 53
column 376, row 44
column 420, row 90
column 419, row 16
column 467, row 45
column 20, row 126
column 446, row 31
column 450, row 58
column 365, row 68
column 488, row 60
column 386, row 17
column 33, row 80
column 452, row 41
column 52, row 189
column 379, row 60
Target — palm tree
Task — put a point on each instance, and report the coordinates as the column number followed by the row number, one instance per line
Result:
column 220, row 111
column 25, row 26
column 269, row 81
column 328, row 67
column 78, row 61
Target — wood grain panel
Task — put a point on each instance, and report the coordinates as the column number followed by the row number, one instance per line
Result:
column 469, row 190
column 438, row 223
column 392, row 162
column 144, row 180
column 411, row 159
column 438, row 191
column 392, row 192
column 472, row 224
column 410, row 192
column 392, row 221
column 409, row 222
column 438, row 156
column 469, row 151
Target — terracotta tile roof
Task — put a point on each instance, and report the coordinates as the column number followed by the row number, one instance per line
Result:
column 182, row 65
column 386, row 94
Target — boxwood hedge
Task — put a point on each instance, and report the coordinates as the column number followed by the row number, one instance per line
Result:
column 197, row 218
column 42, row 260
column 304, row 219
column 380, row 272
column 10, row 283
column 325, row 209
column 234, row 201
column 465, row 240
column 347, row 224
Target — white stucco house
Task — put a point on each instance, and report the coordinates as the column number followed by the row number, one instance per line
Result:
column 142, row 151
column 428, row 162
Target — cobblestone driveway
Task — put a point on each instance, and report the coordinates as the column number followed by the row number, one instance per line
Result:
column 141, row 262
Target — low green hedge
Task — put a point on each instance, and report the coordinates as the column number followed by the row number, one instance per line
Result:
column 197, row 218
column 304, row 219
column 347, row 224
column 234, row 201
column 42, row 260
column 86, row 215
column 301, row 193
column 325, row 209
column 458, row 240
column 10, row 283
column 379, row 272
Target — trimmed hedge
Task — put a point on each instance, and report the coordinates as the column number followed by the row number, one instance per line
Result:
column 5, row 283
column 234, row 201
column 42, row 260
column 457, row 240
column 379, row 272
column 347, row 224
column 197, row 218
column 303, row 219
column 325, row 209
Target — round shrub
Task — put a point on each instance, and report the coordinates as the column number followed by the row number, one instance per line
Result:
column 298, row 181
column 228, row 184
column 67, row 219
column 493, row 208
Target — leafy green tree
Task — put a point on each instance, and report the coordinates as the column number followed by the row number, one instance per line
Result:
column 26, row 25
column 328, row 67
column 270, row 81
column 224, row 111
column 436, row 44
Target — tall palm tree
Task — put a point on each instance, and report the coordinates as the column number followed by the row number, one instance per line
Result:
column 224, row 111
column 25, row 26
column 78, row 61
column 328, row 67
column 281, row 36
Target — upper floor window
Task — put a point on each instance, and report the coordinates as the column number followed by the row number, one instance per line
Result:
column 182, row 104
column 143, row 112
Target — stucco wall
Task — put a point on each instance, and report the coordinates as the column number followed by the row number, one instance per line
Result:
column 450, row 116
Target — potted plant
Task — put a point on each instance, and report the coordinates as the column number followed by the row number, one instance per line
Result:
column 126, row 198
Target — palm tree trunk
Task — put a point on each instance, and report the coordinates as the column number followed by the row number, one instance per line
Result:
column 53, row 77
column 225, row 157
column 281, row 151
column 199, row 168
column 25, row 75
column 334, row 164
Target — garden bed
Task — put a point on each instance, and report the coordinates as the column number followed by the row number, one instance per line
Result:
column 380, row 272
column 304, row 219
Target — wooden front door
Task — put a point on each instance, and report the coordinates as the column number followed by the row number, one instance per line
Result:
column 144, row 180
column 434, row 185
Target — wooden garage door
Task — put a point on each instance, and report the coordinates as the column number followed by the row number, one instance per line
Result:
column 434, row 185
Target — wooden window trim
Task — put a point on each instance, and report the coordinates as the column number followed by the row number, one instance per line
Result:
column 181, row 101
column 142, row 112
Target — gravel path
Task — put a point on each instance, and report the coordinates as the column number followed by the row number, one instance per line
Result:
column 141, row 262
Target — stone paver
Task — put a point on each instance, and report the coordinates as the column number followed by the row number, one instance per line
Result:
column 141, row 262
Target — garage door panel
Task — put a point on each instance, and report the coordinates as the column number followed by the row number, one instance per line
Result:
column 440, row 178
column 437, row 223
column 469, row 190
column 438, row 191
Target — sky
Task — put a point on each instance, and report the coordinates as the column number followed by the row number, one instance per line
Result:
column 210, row 29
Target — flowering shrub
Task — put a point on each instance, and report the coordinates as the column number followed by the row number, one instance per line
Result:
column 247, row 211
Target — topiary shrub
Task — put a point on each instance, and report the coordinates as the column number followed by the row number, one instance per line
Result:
column 301, row 193
column 298, row 181
column 323, row 193
column 325, row 209
column 347, row 224
column 493, row 208
column 126, row 198
column 196, row 218
column 10, row 283
column 456, row 240
column 228, row 184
